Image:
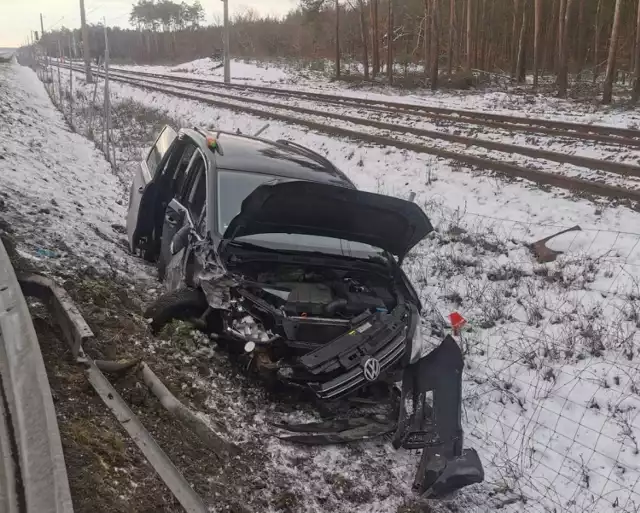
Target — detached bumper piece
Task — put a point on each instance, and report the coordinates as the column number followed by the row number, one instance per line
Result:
column 436, row 429
column 433, row 427
column 338, row 431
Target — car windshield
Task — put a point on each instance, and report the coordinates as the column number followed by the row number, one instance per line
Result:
column 235, row 186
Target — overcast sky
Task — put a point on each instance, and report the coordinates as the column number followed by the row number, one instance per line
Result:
column 18, row 17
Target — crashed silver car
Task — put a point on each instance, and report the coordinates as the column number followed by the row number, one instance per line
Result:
column 271, row 250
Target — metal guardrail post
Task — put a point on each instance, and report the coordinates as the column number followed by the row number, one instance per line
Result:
column 33, row 475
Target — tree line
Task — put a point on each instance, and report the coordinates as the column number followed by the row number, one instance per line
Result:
column 564, row 43
column 165, row 14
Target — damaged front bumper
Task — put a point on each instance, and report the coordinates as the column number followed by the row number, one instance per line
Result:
column 368, row 353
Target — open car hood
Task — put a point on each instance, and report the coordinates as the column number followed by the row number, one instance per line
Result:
column 310, row 208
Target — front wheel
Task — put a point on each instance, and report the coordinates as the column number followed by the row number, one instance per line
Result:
column 182, row 304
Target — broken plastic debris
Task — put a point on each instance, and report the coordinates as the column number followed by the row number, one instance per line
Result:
column 46, row 253
column 545, row 254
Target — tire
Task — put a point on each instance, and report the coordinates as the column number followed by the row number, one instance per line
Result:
column 181, row 304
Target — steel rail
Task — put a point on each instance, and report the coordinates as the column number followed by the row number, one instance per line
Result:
column 560, row 128
column 562, row 158
column 576, row 185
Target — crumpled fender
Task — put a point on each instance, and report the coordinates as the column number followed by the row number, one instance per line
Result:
column 208, row 273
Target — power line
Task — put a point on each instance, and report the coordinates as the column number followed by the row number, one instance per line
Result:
column 54, row 24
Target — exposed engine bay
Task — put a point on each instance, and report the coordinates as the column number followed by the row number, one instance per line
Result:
column 306, row 305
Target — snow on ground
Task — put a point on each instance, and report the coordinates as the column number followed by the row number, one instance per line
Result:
column 7, row 53
column 241, row 72
column 562, row 146
column 65, row 207
column 515, row 103
column 57, row 190
column 551, row 383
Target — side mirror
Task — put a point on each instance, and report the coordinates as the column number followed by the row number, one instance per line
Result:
column 180, row 239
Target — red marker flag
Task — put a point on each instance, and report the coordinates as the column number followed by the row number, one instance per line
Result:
column 457, row 322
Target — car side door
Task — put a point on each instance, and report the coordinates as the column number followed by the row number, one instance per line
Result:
column 184, row 210
column 140, row 195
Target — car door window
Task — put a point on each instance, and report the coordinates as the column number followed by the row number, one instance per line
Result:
column 180, row 172
column 195, row 192
column 164, row 141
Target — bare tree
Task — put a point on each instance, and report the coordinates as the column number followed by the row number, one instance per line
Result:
column 549, row 52
column 536, row 40
column 390, row 31
column 580, row 56
column 375, row 38
column 435, row 44
column 452, row 17
column 426, row 40
column 338, row 63
column 515, row 38
column 563, row 68
column 484, row 40
column 520, row 63
column 365, row 37
column 635, row 95
column 561, row 10
column 611, row 60
column 596, row 43
column 469, row 33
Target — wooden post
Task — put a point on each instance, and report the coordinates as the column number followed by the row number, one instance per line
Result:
column 59, row 79
column 70, row 87
column 107, row 102
column 92, row 108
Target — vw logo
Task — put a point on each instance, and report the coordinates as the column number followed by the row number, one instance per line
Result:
column 371, row 369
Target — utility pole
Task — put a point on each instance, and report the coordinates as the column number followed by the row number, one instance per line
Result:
column 41, row 26
column 85, row 44
column 225, row 37
column 59, row 79
column 70, row 87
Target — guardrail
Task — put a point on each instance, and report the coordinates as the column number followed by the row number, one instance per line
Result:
column 33, row 475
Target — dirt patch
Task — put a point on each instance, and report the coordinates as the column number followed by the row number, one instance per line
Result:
column 107, row 472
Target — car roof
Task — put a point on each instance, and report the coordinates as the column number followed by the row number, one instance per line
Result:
column 280, row 158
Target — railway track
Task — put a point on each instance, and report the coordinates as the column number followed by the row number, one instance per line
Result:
column 586, row 132
column 578, row 185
